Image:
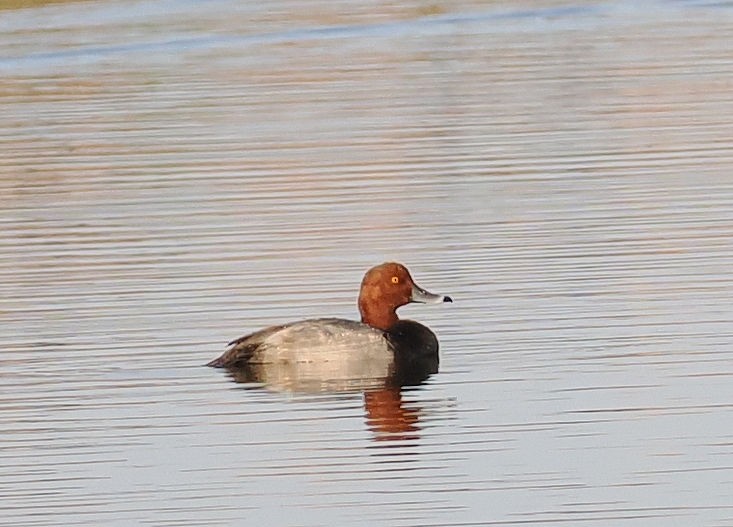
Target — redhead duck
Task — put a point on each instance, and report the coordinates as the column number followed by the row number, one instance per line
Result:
column 380, row 338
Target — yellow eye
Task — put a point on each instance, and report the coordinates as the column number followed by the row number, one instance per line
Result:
column 395, row 279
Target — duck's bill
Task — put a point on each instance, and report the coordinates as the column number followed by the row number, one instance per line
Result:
column 424, row 297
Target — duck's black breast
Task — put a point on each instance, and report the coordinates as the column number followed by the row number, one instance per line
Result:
column 415, row 348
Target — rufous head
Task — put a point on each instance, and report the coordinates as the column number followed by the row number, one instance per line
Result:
column 387, row 287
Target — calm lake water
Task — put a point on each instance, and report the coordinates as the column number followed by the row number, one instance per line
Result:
column 175, row 174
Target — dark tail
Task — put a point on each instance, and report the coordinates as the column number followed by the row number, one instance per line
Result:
column 218, row 362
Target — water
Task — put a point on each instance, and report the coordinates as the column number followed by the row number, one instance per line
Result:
column 176, row 174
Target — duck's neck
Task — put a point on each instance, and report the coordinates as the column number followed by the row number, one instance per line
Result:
column 377, row 318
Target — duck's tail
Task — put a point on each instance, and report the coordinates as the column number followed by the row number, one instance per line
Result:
column 240, row 351
column 218, row 362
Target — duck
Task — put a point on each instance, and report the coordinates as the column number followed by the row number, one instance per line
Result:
column 379, row 338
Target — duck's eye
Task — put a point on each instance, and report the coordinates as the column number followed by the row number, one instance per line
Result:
column 395, row 279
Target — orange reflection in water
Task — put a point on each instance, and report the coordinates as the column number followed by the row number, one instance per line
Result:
column 388, row 417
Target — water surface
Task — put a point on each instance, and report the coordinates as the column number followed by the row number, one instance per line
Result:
column 176, row 174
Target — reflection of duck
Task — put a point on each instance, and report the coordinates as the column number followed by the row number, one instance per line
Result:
column 386, row 414
column 333, row 349
column 388, row 417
